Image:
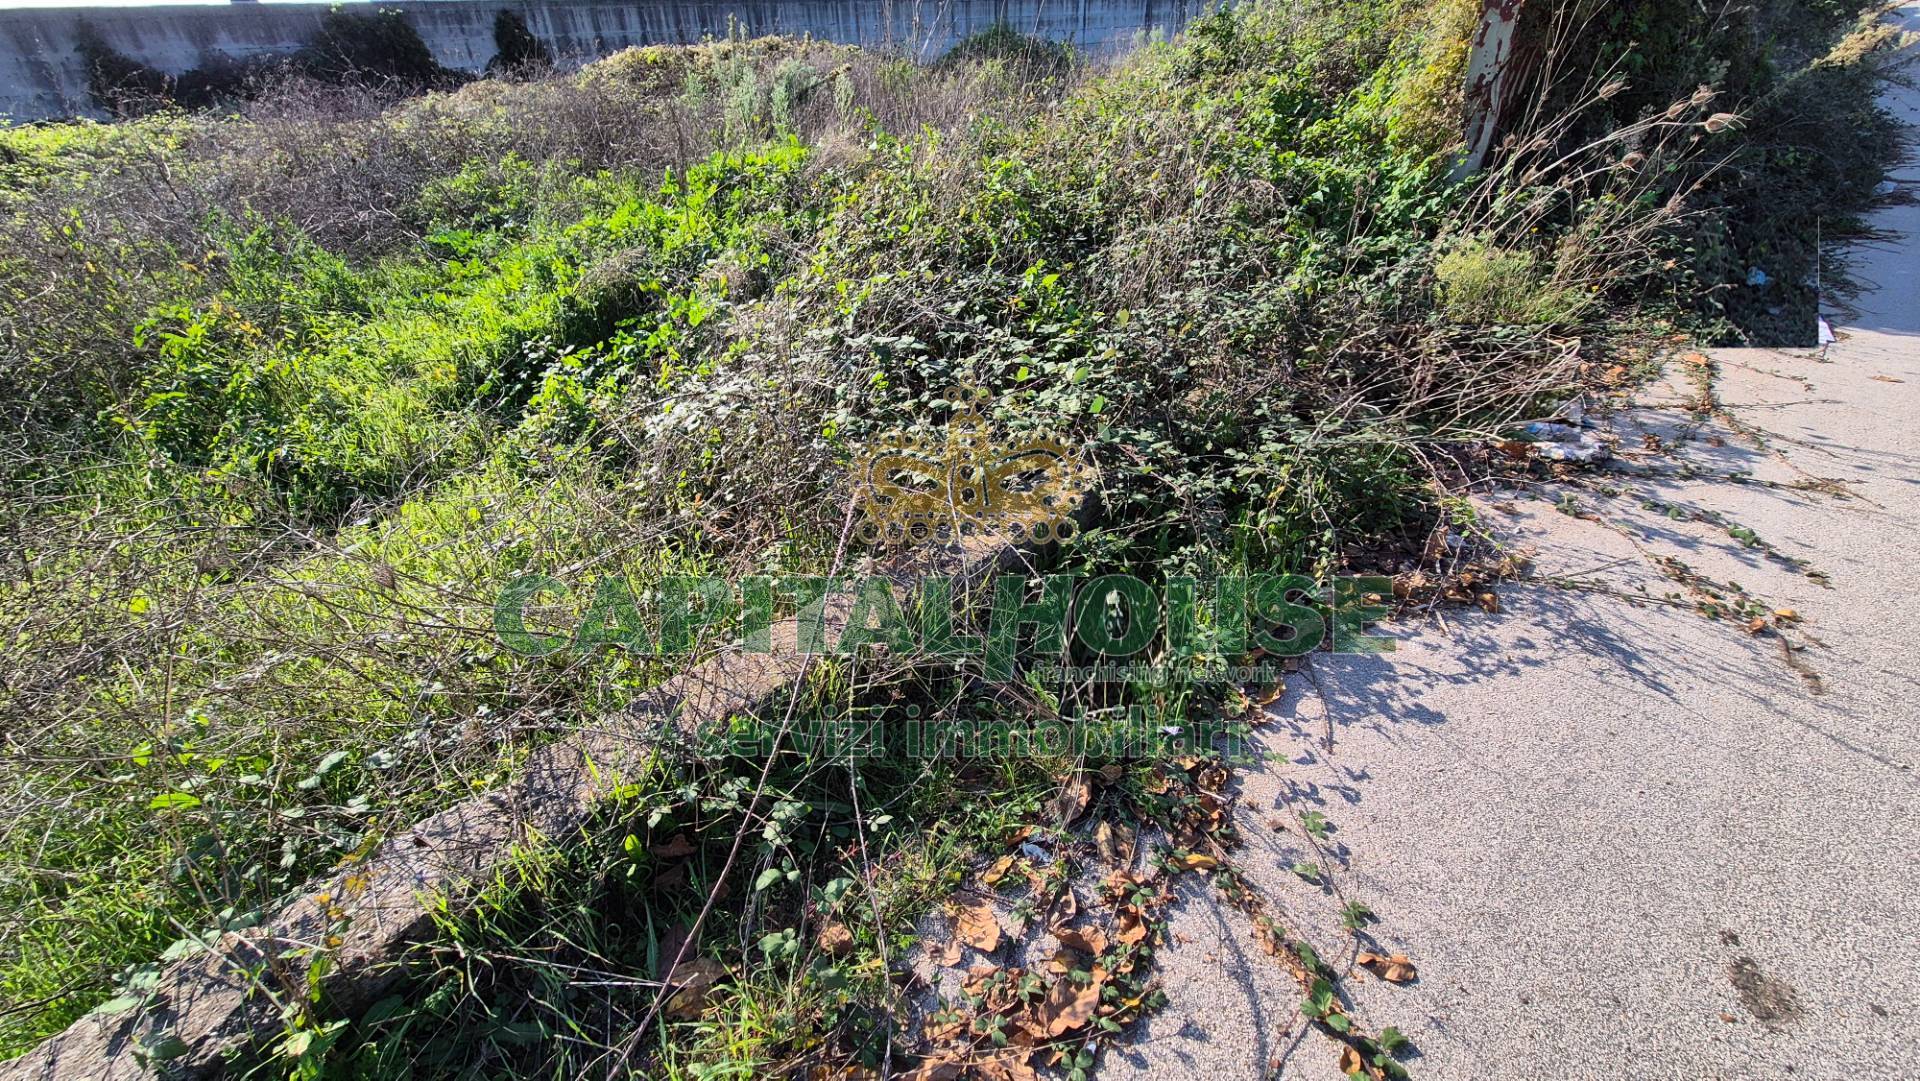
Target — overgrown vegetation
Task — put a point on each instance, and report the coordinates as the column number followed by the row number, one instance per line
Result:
column 289, row 393
column 379, row 51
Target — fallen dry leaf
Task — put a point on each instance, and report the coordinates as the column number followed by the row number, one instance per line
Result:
column 1785, row 615
column 671, row 942
column 1395, row 969
column 1035, row 880
column 998, row 871
column 1006, row 1068
column 1088, row 940
column 1888, row 379
column 1214, row 777
column 946, row 1025
column 836, row 940
column 1350, row 1061
column 1187, row 837
column 1072, row 801
column 1064, row 908
column 976, row 926
column 1196, row 861
column 1115, row 842
column 695, row 979
column 949, row 954
column 675, row 848
column 1068, row 1005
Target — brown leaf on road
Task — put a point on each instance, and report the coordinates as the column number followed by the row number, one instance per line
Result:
column 976, row 926
column 1088, row 940
column 945, row 1026
column 1006, row 1068
column 1395, row 969
column 1350, row 1061
column 1196, row 861
column 1069, row 1005
column 1115, row 841
column 1064, row 908
column 1213, row 777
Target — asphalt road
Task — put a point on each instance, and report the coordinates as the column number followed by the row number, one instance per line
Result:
column 1617, row 839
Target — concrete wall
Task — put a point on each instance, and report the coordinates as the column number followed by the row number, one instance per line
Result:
column 42, row 76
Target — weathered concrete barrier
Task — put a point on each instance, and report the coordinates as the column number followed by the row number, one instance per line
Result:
column 43, row 76
column 209, row 1008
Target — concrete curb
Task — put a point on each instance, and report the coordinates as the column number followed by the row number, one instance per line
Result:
column 209, row 1009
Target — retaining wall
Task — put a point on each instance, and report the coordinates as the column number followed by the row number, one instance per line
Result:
column 42, row 75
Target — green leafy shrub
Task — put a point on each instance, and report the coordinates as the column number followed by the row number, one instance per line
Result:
column 1487, row 285
column 1002, row 42
column 483, row 195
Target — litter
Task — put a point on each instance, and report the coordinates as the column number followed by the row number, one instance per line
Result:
column 1566, row 443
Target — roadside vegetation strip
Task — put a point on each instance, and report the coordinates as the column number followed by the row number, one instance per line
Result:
column 273, row 423
column 335, row 950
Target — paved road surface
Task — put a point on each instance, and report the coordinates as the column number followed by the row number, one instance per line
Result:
column 1617, row 839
